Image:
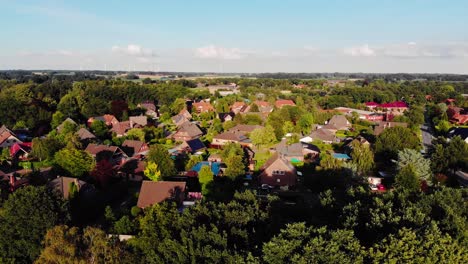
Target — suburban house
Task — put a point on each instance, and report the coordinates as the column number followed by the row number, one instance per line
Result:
column 20, row 151
column 69, row 120
column 185, row 113
column 365, row 115
column 281, row 103
column 381, row 126
column 215, row 157
column 230, row 137
column 63, row 185
column 187, row 131
column 457, row 115
column 120, row 128
column 278, row 171
column 202, row 107
column 156, row 192
column 7, row 138
column 109, row 120
column 192, row 146
column 393, row 108
column 297, row 152
column 112, row 153
column 243, row 129
column 239, row 107
column 135, row 148
column 132, row 169
column 179, row 119
column 264, row 106
column 348, row 143
column 150, row 108
column 138, row 121
column 338, row 122
column 85, row 135
column 322, row 134
column 226, row 117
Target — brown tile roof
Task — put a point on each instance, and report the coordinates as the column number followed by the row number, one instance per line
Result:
column 132, row 147
column 94, row 149
column 156, row 192
column 203, row 107
column 192, row 130
column 284, row 163
column 138, row 120
column 381, row 126
column 84, row 134
column 244, row 129
column 323, row 134
column 62, row 185
column 121, row 128
column 231, row 136
column 339, row 122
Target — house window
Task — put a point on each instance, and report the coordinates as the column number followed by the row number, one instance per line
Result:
column 278, row 172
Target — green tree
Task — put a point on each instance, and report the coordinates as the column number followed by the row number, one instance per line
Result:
column 136, row 134
column 45, row 148
column 26, row 216
column 439, row 161
column 152, row 172
column 393, row 140
column 305, row 123
column 328, row 162
column 427, row 246
column 421, row 166
column 407, row 179
column 299, row 244
column 263, row 136
column 99, row 128
column 159, row 155
column 77, row 163
column 235, row 167
column 57, row 118
column 362, row 156
column 205, row 177
column 63, row 244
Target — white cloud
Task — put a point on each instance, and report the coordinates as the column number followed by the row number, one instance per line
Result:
column 214, row 52
column 134, row 50
column 360, row 51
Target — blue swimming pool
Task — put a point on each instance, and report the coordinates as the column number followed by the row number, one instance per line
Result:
column 215, row 166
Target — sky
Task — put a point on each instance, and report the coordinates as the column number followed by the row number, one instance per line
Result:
column 415, row 36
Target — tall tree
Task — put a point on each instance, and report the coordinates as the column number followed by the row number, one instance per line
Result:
column 159, row 155
column 25, row 218
column 362, row 156
column 393, row 140
column 205, row 177
column 76, row 163
column 421, row 166
column 407, row 179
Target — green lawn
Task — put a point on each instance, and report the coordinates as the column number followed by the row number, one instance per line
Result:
column 261, row 157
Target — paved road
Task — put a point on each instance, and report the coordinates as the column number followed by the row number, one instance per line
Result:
column 427, row 134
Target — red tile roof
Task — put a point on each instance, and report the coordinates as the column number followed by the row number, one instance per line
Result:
column 281, row 103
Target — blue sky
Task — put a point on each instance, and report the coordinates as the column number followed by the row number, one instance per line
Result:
column 240, row 36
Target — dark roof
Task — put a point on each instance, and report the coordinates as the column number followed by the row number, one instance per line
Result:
column 156, row 192
column 94, row 149
column 179, row 119
column 195, row 144
column 295, row 149
column 232, row 137
column 458, row 131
